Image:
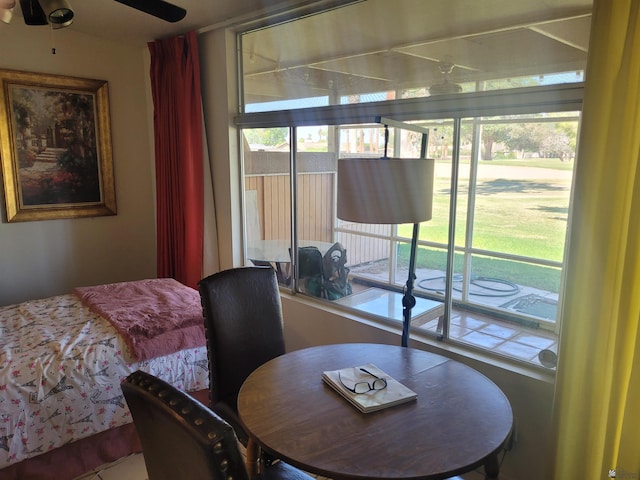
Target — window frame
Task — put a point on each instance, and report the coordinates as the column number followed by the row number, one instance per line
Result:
column 555, row 98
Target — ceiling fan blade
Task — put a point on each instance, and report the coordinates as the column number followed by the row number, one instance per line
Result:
column 32, row 12
column 158, row 8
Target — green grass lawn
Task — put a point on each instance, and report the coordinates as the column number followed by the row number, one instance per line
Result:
column 547, row 163
column 518, row 211
column 541, row 277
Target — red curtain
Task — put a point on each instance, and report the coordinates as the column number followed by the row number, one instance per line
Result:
column 177, row 121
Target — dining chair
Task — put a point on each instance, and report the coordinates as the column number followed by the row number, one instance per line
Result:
column 183, row 439
column 244, row 329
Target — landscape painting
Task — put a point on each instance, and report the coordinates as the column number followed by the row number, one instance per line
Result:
column 56, row 147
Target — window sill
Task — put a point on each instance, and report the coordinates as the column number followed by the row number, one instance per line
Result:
column 389, row 331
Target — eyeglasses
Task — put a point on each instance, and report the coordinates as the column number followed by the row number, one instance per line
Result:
column 364, row 387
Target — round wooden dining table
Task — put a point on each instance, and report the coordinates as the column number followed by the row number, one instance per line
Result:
column 459, row 421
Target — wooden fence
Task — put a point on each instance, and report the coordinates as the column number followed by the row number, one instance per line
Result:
column 315, row 206
column 268, row 205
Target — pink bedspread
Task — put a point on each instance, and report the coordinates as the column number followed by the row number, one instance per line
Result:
column 155, row 316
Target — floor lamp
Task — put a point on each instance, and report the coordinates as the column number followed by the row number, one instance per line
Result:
column 388, row 191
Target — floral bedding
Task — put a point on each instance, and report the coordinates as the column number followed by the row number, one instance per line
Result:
column 60, row 371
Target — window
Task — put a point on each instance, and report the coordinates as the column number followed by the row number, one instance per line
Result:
column 490, row 262
column 376, row 50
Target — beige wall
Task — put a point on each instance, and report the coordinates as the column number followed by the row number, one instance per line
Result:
column 44, row 258
column 38, row 259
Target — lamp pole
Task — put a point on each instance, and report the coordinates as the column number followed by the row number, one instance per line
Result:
column 408, row 300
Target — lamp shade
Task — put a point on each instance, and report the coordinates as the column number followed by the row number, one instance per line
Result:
column 385, row 190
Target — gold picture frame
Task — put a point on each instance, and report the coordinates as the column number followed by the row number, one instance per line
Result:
column 55, row 147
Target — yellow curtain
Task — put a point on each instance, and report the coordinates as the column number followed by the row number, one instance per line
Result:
column 597, row 404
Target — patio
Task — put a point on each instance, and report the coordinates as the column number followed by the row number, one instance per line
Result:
column 518, row 325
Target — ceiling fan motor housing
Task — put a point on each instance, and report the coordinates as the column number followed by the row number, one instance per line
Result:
column 59, row 13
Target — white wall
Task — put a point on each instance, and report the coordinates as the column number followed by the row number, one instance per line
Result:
column 45, row 258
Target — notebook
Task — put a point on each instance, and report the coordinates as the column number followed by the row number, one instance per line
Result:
column 393, row 394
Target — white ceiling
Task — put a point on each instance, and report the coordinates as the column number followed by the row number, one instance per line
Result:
column 372, row 46
column 387, row 45
column 115, row 21
column 421, row 19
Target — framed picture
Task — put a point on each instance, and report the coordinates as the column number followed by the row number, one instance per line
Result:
column 55, row 147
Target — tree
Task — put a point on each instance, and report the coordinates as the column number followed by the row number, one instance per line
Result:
column 558, row 145
column 523, row 137
column 274, row 136
column 266, row 136
column 492, row 134
column 22, row 105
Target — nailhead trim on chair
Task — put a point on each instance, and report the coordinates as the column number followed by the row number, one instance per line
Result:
column 174, row 402
column 192, row 414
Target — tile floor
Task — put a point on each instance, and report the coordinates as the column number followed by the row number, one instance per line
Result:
column 499, row 336
column 132, row 468
column 485, row 331
column 128, row 468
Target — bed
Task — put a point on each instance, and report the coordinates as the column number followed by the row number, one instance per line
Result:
column 62, row 412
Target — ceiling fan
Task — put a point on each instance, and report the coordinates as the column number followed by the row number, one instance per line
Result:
column 445, row 87
column 60, row 14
